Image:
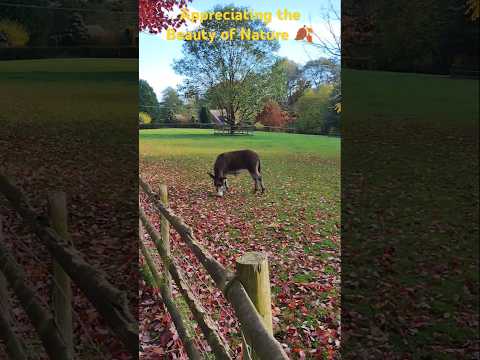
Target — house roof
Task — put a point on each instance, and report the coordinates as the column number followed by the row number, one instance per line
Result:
column 218, row 118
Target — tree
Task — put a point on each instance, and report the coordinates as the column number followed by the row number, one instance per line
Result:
column 273, row 115
column 157, row 15
column 148, row 102
column 204, row 115
column 170, row 105
column 321, row 71
column 15, row 33
column 77, row 33
column 330, row 42
column 36, row 20
column 236, row 76
column 312, row 109
column 473, row 9
column 295, row 83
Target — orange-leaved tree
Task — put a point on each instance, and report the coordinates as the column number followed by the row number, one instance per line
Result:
column 157, row 15
column 273, row 115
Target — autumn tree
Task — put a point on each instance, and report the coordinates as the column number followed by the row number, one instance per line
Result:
column 238, row 75
column 157, row 15
column 273, row 115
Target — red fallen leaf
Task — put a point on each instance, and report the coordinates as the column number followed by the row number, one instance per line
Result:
column 309, row 38
column 301, row 33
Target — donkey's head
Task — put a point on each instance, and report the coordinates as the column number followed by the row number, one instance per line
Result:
column 219, row 183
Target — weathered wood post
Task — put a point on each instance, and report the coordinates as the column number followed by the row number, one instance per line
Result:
column 165, row 232
column 252, row 272
column 148, row 276
column 13, row 344
column 62, row 289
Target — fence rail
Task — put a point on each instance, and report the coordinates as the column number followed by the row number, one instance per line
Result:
column 110, row 302
column 258, row 335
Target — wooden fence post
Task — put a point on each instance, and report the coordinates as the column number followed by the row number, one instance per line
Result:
column 13, row 344
column 252, row 272
column 165, row 232
column 62, row 289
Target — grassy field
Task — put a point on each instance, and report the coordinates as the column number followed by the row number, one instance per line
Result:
column 409, row 205
column 90, row 96
column 409, row 98
column 296, row 221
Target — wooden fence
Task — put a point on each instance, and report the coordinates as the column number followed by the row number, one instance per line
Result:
column 250, row 130
column 56, row 330
column 238, row 130
column 247, row 290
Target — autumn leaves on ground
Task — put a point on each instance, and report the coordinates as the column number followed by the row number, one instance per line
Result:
column 296, row 222
column 55, row 136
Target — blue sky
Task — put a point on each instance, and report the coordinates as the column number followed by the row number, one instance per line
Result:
column 157, row 54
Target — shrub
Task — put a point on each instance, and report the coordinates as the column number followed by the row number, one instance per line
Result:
column 144, row 118
column 14, row 32
column 205, row 117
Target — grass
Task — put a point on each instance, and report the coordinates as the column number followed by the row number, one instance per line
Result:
column 188, row 142
column 409, row 98
column 92, row 96
column 299, row 170
column 297, row 218
column 410, row 197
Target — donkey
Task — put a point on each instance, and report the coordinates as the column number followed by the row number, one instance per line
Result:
column 231, row 163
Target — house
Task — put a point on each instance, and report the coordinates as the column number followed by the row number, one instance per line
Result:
column 218, row 117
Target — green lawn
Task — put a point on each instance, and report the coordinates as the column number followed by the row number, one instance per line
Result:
column 93, row 96
column 410, row 98
column 409, row 199
column 185, row 142
column 296, row 221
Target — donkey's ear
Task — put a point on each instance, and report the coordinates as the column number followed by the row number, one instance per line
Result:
column 213, row 177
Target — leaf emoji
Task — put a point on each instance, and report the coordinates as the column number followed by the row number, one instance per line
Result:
column 301, row 33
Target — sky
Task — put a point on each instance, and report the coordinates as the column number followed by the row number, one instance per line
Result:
column 157, row 54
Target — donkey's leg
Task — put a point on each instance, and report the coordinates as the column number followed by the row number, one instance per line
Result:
column 261, row 184
column 255, row 181
column 258, row 177
column 226, row 185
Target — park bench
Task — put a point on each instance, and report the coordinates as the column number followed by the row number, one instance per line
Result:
column 240, row 130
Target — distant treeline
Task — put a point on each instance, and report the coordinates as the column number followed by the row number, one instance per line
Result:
column 59, row 52
column 422, row 36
